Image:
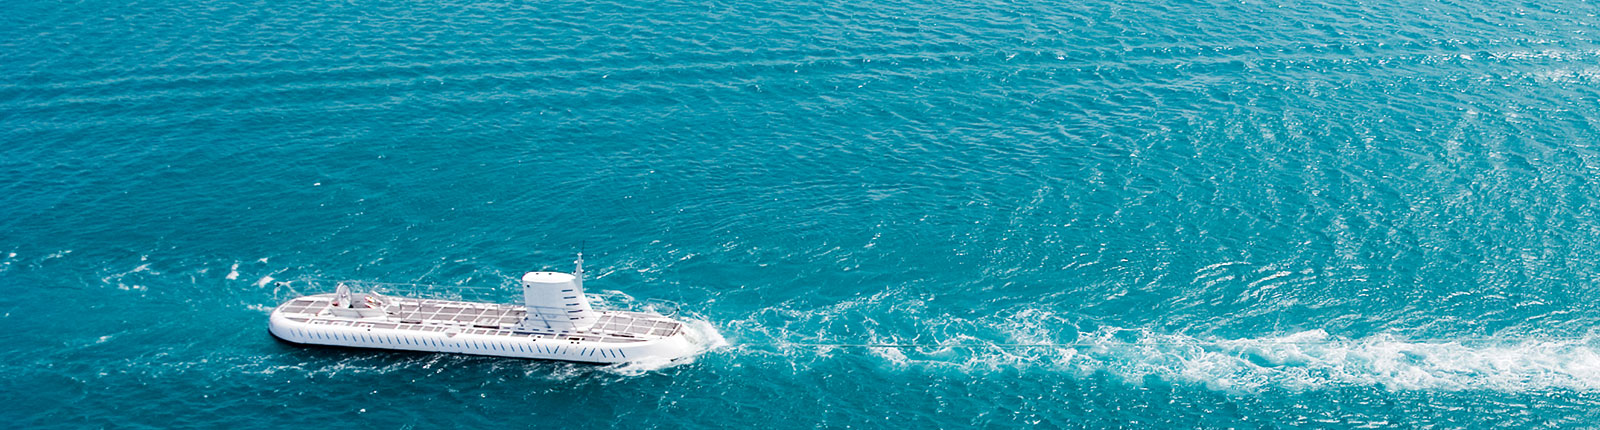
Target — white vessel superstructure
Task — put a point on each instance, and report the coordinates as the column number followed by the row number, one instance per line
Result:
column 554, row 322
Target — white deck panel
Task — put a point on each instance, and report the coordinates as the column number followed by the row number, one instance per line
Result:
column 430, row 315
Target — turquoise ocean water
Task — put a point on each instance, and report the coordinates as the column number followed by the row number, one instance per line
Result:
column 1236, row 214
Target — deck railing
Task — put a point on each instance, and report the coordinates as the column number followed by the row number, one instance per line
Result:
column 507, row 294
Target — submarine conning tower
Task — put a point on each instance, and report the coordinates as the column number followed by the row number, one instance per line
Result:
column 556, row 302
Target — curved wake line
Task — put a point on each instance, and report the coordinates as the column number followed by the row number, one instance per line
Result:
column 1306, row 360
column 1090, row 344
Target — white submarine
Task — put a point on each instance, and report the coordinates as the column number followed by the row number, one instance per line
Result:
column 554, row 322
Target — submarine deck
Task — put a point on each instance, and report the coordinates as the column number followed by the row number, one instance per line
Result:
column 433, row 315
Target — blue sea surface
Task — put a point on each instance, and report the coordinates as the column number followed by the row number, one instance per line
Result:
column 892, row 213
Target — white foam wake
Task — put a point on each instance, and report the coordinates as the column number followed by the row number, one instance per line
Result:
column 1305, row 360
